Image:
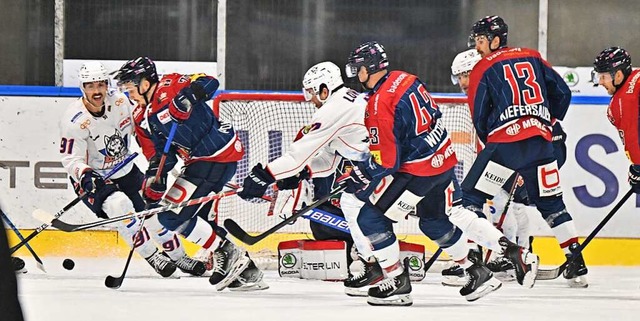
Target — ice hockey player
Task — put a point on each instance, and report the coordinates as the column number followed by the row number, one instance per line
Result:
column 210, row 150
column 411, row 167
column 96, row 131
column 515, row 97
column 515, row 221
column 612, row 70
column 336, row 131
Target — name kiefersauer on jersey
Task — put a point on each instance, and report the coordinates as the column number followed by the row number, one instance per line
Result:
column 518, row 111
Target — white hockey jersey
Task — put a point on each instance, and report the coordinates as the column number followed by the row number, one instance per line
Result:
column 97, row 142
column 336, row 130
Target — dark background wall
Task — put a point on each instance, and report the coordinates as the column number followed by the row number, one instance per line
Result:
column 271, row 43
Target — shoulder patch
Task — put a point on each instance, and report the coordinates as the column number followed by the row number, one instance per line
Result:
column 164, row 116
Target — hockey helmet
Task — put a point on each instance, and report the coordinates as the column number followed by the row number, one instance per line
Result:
column 490, row 27
column 369, row 54
column 324, row 74
column 92, row 71
column 463, row 62
column 609, row 61
column 136, row 69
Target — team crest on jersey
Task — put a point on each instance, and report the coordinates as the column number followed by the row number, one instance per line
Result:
column 115, row 147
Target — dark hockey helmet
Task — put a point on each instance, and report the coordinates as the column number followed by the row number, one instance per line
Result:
column 490, row 27
column 611, row 60
column 371, row 55
column 136, row 69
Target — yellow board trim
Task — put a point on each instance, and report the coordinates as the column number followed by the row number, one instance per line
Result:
column 601, row 251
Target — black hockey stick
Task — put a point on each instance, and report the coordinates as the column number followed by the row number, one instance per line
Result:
column 433, row 259
column 234, row 229
column 554, row 273
column 68, row 206
column 115, row 282
column 39, row 264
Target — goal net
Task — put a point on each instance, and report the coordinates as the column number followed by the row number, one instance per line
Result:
column 267, row 123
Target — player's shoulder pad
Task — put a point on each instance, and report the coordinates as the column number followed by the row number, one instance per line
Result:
column 116, row 99
column 168, row 87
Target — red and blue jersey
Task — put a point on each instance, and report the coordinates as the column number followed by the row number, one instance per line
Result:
column 624, row 114
column 201, row 137
column 514, row 94
column 405, row 128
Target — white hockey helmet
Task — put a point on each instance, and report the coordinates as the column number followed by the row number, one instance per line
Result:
column 463, row 62
column 322, row 74
column 92, row 71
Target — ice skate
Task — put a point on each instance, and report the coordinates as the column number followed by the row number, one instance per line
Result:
column 190, row 266
column 358, row 284
column 18, row 265
column 392, row 291
column 249, row 280
column 502, row 269
column 576, row 271
column 230, row 261
column 525, row 262
column 161, row 264
column 481, row 282
column 454, row 276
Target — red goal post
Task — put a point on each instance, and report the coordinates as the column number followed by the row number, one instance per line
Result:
column 267, row 122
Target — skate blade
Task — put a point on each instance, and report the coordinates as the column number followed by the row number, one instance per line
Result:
column 530, row 277
column 357, row 292
column 505, row 276
column 454, row 281
column 394, row 300
column 578, row 282
column 238, row 267
column 250, row 287
column 491, row 285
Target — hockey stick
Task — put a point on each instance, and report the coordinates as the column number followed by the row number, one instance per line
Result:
column 68, row 227
column 244, row 237
column 433, row 259
column 39, row 264
column 115, row 282
column 554, row 273
column 503, row 215
column 67, row 207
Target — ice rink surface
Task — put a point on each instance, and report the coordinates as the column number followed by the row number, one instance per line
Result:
column 80, row 294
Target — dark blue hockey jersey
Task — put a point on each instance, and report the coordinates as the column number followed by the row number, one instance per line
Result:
column 202, row 137
column 514, row 94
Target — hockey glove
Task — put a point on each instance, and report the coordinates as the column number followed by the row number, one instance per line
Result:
column 634, row 178
column 256, row 183
column 358, row 179
column 153, row 190
column 91, row 182
column 181, row 106
column 293, row 181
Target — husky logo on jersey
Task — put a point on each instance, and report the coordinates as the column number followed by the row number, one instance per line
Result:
column 115, row 147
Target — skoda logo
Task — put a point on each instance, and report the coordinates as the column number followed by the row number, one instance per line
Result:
column 571, row 78
column 288, row 260
column 415, row 263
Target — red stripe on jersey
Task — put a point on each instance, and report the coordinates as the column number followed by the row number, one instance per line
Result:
column 521, row 129
column 439, row 162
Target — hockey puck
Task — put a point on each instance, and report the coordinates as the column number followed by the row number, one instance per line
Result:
column 68, row 264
